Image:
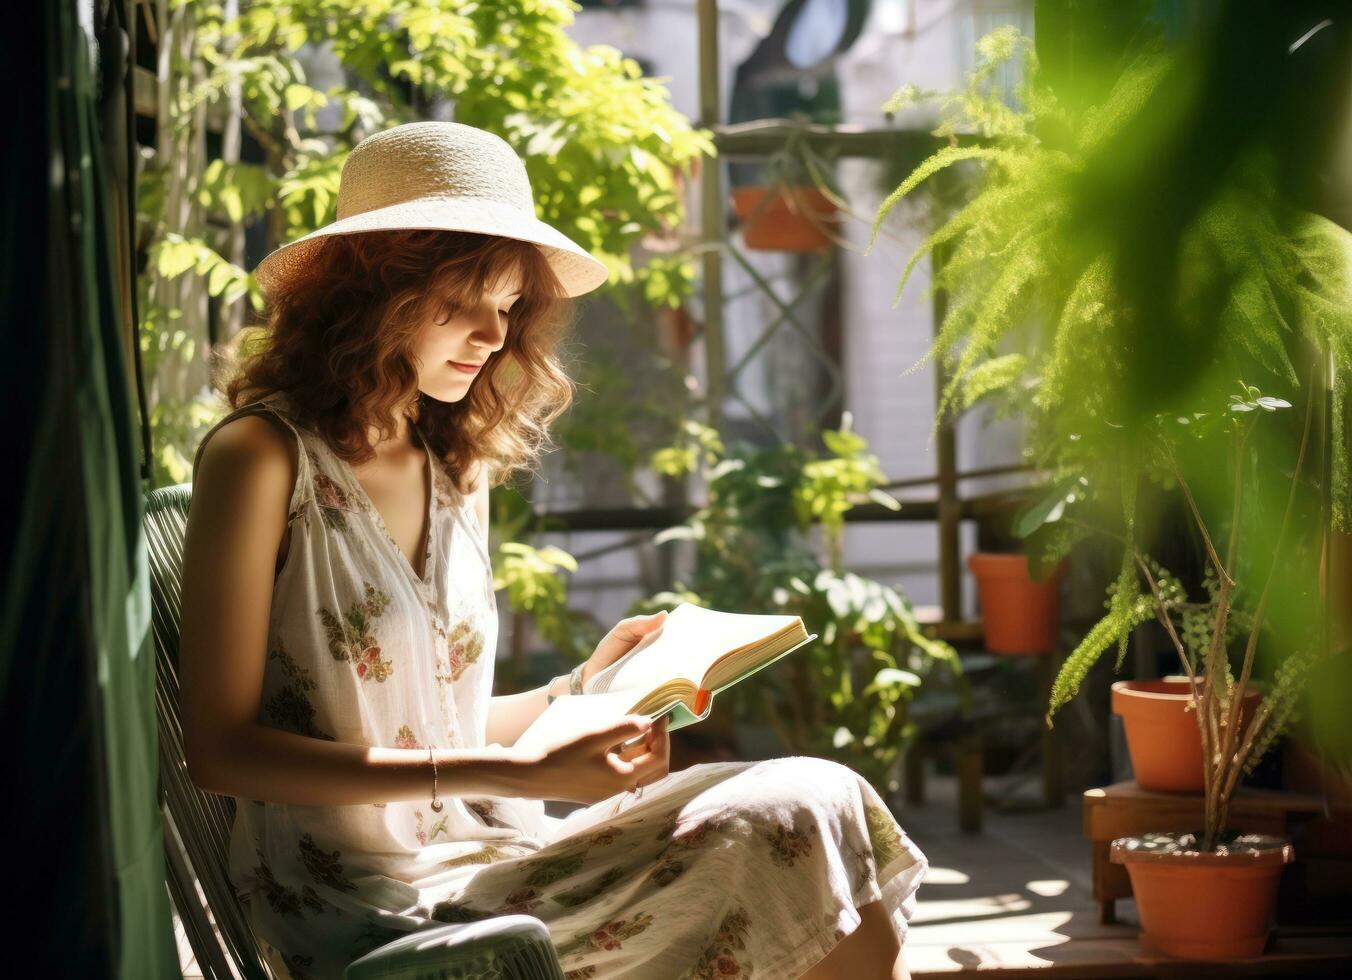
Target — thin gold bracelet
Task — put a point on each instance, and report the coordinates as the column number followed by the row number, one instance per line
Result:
column 436, row 803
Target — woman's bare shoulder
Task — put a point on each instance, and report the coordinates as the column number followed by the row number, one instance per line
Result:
column 252, row 435
column 251, row 453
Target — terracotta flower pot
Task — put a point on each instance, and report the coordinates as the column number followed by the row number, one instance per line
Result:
column 1213, row 905
column 775, row 227
column 1018, row 615
column 1163, row 740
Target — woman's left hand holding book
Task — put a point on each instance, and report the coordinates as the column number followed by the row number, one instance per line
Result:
column 627, row 634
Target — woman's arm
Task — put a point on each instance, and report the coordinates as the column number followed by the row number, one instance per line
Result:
column 235, row 526
column 262, row 763
column 511, row 714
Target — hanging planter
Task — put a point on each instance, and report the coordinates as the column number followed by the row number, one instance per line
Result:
column 785, row 218
column 1204, row 904
column 796, row 205
column 1018, row 615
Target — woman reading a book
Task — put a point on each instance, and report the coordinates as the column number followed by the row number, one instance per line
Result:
column 339, row 629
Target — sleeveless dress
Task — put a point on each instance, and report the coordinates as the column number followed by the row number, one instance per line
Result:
column 727, row 869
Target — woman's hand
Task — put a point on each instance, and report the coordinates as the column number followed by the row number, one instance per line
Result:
column 592, row 766
column 627, row 634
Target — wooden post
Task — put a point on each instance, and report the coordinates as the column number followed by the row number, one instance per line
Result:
column 946, row 446
column 832, row 322
column 720, row 724
column 970, row 802
column 914, row 775
column 711, row 216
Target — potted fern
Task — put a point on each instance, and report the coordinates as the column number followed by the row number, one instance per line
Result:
column 1046, row 311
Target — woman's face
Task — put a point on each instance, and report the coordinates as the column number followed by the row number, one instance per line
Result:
column 467, row 338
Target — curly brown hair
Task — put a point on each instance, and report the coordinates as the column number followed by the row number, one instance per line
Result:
column 338, row 341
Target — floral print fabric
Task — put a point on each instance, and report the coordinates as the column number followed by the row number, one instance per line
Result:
column 721, row 870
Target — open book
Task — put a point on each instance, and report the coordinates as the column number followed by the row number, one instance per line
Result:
column 674, row 670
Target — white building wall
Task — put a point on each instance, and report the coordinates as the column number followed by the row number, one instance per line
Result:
column 930, row 45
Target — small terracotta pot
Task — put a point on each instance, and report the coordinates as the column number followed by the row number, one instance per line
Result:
column 1204, row 904
column 1163, row 739
column 1018, row 615
column 777, row 228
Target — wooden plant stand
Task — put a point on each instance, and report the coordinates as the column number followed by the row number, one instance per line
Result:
column 960, row 734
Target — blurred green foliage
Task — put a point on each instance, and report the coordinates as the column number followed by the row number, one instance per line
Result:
column 1022, row 261
column 535, row 585
column 1138, row 236
column 602, row 145
column 846, row 695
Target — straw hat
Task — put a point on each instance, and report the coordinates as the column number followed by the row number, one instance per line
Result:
column 439, row 175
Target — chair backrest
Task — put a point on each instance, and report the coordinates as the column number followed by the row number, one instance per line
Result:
column 196, row 824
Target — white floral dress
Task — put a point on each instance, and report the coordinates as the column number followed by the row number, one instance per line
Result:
column 732, row 869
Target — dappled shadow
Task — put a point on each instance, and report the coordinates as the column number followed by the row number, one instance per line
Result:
column 1016, row 896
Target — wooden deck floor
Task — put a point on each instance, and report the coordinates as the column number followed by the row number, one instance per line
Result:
column 1016, row 901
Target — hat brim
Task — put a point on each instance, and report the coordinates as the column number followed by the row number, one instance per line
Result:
column 578, row 271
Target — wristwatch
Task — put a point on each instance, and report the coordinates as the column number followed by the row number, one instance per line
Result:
column 550, row 696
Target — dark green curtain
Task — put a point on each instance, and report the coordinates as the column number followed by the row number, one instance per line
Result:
column 76, row 661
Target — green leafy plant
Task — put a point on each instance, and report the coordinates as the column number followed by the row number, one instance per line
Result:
column 1019, row 270
column 1113, row 328
column 603, row 147
column 1203, row 632
column 831, row 486
column 534, row 581
column 845, row 696
column 797, row 163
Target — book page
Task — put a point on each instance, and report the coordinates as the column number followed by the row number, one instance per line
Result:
column 717, row 685
column 565, row 717
column 691, row 640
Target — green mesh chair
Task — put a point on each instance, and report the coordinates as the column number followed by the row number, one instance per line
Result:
column 197, row 832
